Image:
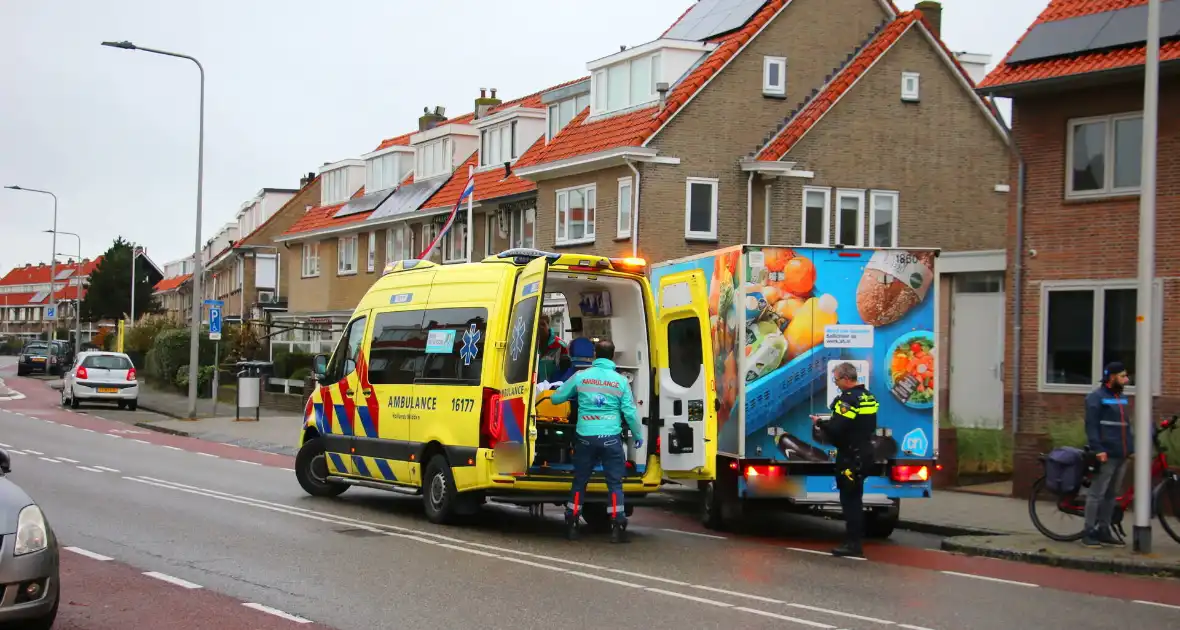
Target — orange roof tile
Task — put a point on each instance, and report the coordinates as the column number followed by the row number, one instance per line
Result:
column 39, row 274
column 815, row 109
column 320, row 217
column 1012, row 73
column 168, row 284
column 489, row 184
column 634, row 128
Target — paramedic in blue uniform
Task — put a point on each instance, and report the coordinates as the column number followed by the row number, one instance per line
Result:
column 854, row 420
column 1109, row 436
column 604, row 402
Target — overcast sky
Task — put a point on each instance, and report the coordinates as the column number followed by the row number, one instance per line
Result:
column 290, row 85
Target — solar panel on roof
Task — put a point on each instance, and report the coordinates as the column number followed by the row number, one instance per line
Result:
column 1098, row 31
column 407, row 199
column 36, row 299
column 63, row 274
column 364, row 203
column 708, row 18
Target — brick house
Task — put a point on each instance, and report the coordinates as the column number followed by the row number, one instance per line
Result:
column 174, row 295
column 797, row 126
column 24, row 296
column 1077, row 115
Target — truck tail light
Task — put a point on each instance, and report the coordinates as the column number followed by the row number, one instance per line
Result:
column 491, row 421
column 906, row 473
column 764, row 471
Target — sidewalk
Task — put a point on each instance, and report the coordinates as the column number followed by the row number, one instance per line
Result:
column 274, row 432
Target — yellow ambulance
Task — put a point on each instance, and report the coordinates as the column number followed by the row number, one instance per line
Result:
column 433, row 388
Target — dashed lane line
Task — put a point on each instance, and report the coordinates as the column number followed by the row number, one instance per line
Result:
column 51, row 460
column 246, row 462
column 89, row 554
column 13, row 451
column 688, row 533
column 66, row 459
column 1147, row 603
column 104, row 468
column 884, row 622
column 991, row 579
column 32, row 452
column 207, row 454
column 277, row 613
column 89, row 469
column 764, row 613
column 164, row 577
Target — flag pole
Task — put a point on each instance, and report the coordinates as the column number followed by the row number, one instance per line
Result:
column 470, row 216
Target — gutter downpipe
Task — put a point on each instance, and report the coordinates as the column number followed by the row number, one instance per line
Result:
column 1018, row 272
column 750, row 208
column 634, row 211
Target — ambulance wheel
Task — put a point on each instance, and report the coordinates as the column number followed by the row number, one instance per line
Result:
column 311, row 469
column 880, row 522
column 711, row 507
column 596, row 516
column 439, row 495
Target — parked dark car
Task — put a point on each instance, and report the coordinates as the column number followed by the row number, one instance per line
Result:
column 38, row 356
column 65, row 354
column 29, row 558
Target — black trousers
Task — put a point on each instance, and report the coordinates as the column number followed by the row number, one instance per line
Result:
column 852, row 493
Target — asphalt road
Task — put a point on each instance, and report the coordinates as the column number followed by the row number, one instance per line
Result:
column 235, row 524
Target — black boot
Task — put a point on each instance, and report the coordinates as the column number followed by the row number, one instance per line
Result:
column 618, row 532
column 571, row 526
column 1108, row 539
column 849, row 550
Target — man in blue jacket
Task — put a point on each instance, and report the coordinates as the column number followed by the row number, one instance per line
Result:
column 1110, row 437
column 604, row 402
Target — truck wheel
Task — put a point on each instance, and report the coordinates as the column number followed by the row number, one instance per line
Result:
column 311, row 470
column 880, row 522
column 712, row 516
column 439, row 495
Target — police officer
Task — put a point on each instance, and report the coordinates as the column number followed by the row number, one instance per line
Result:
column 604, row 401
column 850, row 430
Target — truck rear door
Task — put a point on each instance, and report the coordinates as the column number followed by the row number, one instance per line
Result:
column 514, row 454
column 686, row 392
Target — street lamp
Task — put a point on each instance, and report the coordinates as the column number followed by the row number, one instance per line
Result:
column 194, row 337
column 77, row 295
column 52, row 259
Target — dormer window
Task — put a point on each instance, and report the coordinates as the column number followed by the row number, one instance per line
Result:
column 562, row 112
column 498, row 144
column 434, row 159
column 386, row 169
column 340, row 180
column 627, row 84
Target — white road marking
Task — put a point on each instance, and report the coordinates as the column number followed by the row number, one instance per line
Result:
column 51, row 460
column 288, row 469
column 278, row 613
column 813, row 624
column 65, row 426
column 89, row 554
column 119, row 437
column 841, row 614
column 479, row 549
column 16, row 452
column 1141, row 601
column 172, row 580
column 206, row 454
column 246, row 462
column 5, row 445
column 811, row 551
column 110, row 470
column 32, row 452
column 174, row 448
column 72, row 461
column 89, row 469
column 990, row 579
column 89, row 430
column 140, row 441
column 681, row 531
column 909, row 627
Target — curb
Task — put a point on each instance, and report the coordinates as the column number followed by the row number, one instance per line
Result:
column 161, row 411
column 157, row 429
column 946, row 531
column 1084, row 564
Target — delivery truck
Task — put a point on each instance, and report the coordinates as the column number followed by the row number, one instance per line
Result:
column 781, row 320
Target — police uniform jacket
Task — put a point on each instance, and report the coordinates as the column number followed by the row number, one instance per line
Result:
column 854, row 420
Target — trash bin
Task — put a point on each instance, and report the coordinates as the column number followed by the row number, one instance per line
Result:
column 250, row 375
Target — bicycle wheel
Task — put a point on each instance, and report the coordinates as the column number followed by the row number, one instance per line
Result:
column 1167, row 506
column 1059, row 518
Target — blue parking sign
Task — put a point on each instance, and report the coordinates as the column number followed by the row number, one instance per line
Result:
column 50, row 312
column 215, row 322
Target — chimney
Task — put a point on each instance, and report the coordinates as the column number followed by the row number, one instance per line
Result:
column 484, row 104
column 662, row 90
column 306, row 179
column 431, row 119
column 932, row 11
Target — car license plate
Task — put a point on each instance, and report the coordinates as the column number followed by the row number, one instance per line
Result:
column 108, row 390
column 39, row 359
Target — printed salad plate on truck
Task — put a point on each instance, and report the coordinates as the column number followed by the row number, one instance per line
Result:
column 434, row 387
column 780, row 320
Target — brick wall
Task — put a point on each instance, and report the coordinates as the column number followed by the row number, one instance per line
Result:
column 606, row 213
column 1088, row 240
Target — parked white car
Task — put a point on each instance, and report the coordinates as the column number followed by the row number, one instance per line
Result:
column 101, row 377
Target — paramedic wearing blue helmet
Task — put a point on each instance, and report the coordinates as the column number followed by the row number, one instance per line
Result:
column 604, row 402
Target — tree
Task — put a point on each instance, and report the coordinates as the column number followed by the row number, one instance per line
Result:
column 108, row 295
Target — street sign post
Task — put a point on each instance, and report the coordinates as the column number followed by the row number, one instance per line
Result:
column 51, row 312
column 215, row 323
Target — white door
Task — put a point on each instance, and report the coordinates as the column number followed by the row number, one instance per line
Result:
column 977, row 355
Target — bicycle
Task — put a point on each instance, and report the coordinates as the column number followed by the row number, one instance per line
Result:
column 1072, row 506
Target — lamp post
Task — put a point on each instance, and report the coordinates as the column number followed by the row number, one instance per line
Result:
column 77, row 296
column 136, row 250
column 52, row 259
column 194, row 337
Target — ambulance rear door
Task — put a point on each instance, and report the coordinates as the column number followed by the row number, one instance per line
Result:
column 514, row 453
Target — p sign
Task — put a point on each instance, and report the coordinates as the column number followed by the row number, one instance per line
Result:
column 51, row 312
column 215, row 323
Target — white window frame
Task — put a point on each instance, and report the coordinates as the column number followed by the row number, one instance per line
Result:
column 600, row 81
column 429, row 231
column 689, row 234
column 375, row 177
column 837, row 209
column 1098, row 287
column 768, row 88
column 454, row 243
column 623, row 228
column 423, row 166
column 873, row 196
column 311, row 259
column 563, row 224
column 346, row 255
column 371, row 262
column 516, row 240
column 394, row 251
column 827, row 215
column 1108, row 152
column 490, row 223
column 911, row 87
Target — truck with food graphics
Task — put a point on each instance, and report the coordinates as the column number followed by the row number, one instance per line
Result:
column 781, row 320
